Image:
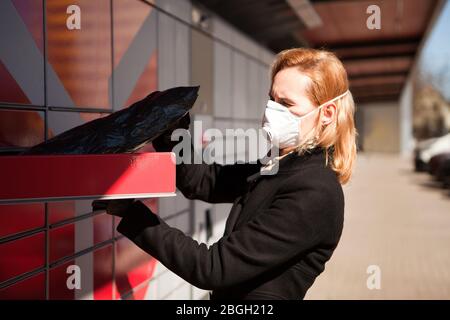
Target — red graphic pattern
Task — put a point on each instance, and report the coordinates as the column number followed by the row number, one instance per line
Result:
column 40, row 237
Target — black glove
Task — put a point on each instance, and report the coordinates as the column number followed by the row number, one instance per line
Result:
column 116, row 207
column 163, row 143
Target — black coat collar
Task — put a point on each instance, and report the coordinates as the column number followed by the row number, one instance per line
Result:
column 294, row 161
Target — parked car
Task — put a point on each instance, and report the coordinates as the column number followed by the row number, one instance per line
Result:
column 429, row 148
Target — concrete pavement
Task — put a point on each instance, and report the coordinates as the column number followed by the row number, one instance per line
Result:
column 397, row 220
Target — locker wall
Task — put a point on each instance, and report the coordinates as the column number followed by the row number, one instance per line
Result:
column 54, row 79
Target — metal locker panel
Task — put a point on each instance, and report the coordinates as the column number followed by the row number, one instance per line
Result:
column 132, row 266
column 79, row 61
column 22, row 255
column 264, row 87
column 96, row 277
column 222, row 80
column 200, row 208
column 60, row 121
column 21, row 128
column 253, row 49
column 179, row 8
column 221, row 29
column 45, row 178
column 202, row 71
column 221, row 212
column 239, row 82
column 166, row 207
column 22, row 52
column 181, row 221
column 32, row 288
column 69, row 239
column 60, row 211
column 253, row 110
column 181, row 293
column 173, row 205
column 182, row 54
column 166, row 49
column 16, row 218
column 167, row 283
column 135, row 28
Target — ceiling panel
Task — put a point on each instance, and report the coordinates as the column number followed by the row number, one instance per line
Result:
column 386, row 55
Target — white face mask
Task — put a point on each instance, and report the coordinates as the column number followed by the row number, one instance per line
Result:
column 282, row 126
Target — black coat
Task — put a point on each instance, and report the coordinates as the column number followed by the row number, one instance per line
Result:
column 281, row 230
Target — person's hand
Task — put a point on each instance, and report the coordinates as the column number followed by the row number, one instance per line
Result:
column 163, row 142
column 116, row 207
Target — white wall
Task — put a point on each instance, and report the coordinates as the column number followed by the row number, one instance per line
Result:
column 380, row 130
column 406, row 123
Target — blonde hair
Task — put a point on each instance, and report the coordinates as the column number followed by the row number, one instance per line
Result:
column 328, row 80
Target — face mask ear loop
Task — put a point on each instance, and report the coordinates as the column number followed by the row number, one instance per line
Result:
column 323, row 104
column 334, row 99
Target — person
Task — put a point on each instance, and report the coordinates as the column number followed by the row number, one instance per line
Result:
column 282, row 228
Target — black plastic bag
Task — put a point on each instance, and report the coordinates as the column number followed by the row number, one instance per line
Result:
column 124, row 131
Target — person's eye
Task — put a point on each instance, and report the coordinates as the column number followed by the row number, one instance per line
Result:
column 286, row 104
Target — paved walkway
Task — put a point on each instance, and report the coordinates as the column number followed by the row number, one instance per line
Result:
column 395, row 219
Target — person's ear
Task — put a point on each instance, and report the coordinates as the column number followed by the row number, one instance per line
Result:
column 328, row 113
